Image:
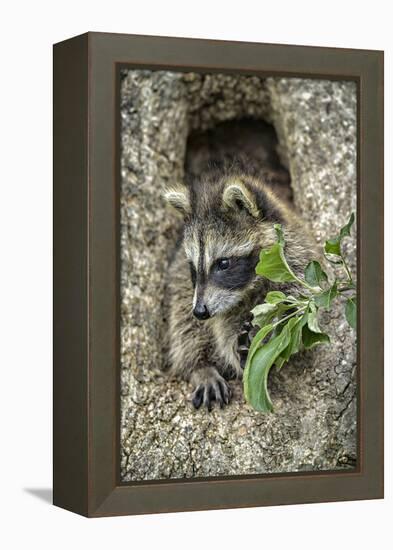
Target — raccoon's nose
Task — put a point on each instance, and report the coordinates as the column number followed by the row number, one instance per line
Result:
column 201, row 312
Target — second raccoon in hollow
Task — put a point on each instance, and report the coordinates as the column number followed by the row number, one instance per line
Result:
column 229, row 217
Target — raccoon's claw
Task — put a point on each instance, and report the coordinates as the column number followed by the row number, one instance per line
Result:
column 244, row 340
column 208, row 392
column 247, row 326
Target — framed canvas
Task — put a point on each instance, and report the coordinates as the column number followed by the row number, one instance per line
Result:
column 196, row 181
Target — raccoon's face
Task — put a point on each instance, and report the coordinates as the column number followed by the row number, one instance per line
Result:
column 222, row 240
column 222, row 267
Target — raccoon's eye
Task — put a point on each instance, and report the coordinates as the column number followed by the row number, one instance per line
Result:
column 223, row 264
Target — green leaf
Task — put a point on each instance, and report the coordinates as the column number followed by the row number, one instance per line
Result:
column 311, row 339
column 314, row 274
column 333, row 246
column 312, row 319
column 257, row 341
column 263, row 309
column 263, row 314
column 275, row 297
column 346, row 230
column 295, row 342
column 280, row 361
column 324, row 299
column 257, row 371
column 280, row 234
column 350, row 312
column 272, row 263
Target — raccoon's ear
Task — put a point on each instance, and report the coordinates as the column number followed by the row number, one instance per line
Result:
column 179, row 198
column 237, row 195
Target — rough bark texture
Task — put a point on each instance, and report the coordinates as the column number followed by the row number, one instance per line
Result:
column 314, row 423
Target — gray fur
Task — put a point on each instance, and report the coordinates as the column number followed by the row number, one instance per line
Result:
column 205, row 352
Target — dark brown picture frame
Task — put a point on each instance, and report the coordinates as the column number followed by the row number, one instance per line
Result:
column 86, row 274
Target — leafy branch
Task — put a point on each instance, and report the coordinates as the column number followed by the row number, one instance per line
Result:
column 288, row 324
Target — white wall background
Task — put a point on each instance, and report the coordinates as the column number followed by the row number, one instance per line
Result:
column 28, row 30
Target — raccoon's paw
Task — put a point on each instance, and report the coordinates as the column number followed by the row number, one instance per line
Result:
column 209, row 386
column 244, row 341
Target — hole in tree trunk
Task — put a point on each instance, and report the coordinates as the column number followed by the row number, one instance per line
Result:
column 248, row 143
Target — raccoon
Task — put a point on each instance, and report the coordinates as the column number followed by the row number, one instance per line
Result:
column 229, row 216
